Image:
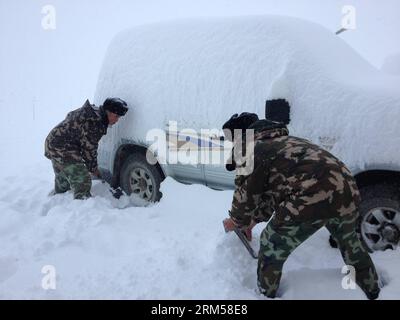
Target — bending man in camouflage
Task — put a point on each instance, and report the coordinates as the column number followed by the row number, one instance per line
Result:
column 72, row 145
column 306, row 188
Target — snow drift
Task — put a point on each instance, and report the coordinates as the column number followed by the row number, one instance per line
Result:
column 199, row 72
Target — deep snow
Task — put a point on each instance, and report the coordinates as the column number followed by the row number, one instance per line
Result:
column 175, row 249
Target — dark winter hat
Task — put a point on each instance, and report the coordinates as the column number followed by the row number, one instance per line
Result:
column 115, row 105
column 242, row 121
column 278, row 110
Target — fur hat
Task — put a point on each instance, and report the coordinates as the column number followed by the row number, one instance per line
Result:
column 116, row 105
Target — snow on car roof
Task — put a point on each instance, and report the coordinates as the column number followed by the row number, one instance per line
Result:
column 199, row 72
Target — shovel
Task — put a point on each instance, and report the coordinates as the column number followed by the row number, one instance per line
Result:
column 245, row 242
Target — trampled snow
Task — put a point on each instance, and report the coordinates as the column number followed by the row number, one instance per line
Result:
column 199, row 72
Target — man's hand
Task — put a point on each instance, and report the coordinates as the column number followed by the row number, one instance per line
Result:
column 230, row 225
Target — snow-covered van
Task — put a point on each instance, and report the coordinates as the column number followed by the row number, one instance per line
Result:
column 197, row 73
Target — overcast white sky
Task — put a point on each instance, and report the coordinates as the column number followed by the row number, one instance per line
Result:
column 62, row 64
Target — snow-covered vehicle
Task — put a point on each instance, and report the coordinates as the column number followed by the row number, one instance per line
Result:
column 199, row 72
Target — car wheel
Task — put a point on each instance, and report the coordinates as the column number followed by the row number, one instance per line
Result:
column 379, row 223
column 139, row 177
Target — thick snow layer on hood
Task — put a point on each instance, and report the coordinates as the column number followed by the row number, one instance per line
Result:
column 199, row 72
column 176, row 249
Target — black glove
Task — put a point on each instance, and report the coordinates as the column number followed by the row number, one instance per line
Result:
column 242, row 121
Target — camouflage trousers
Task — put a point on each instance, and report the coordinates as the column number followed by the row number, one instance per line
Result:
column 280, row 239
column 73, row 176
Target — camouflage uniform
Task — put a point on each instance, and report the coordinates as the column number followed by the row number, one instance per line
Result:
column 72, row 148
column 307, row 188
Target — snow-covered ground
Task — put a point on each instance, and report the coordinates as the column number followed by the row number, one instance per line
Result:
column 176, row 249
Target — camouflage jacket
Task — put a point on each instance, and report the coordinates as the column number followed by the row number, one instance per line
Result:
column 76, row 138
column 294, row 178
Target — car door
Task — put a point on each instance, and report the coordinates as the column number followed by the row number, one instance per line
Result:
column 184, row 163
column 216, row 175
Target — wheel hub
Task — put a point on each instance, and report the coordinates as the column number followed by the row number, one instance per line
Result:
column 381, row 228
column 142, row 184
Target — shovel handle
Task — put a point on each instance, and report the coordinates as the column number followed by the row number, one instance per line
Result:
column 246, row 243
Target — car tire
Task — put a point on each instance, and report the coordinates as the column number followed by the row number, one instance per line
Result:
column 379, row 223
column 139, row 177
